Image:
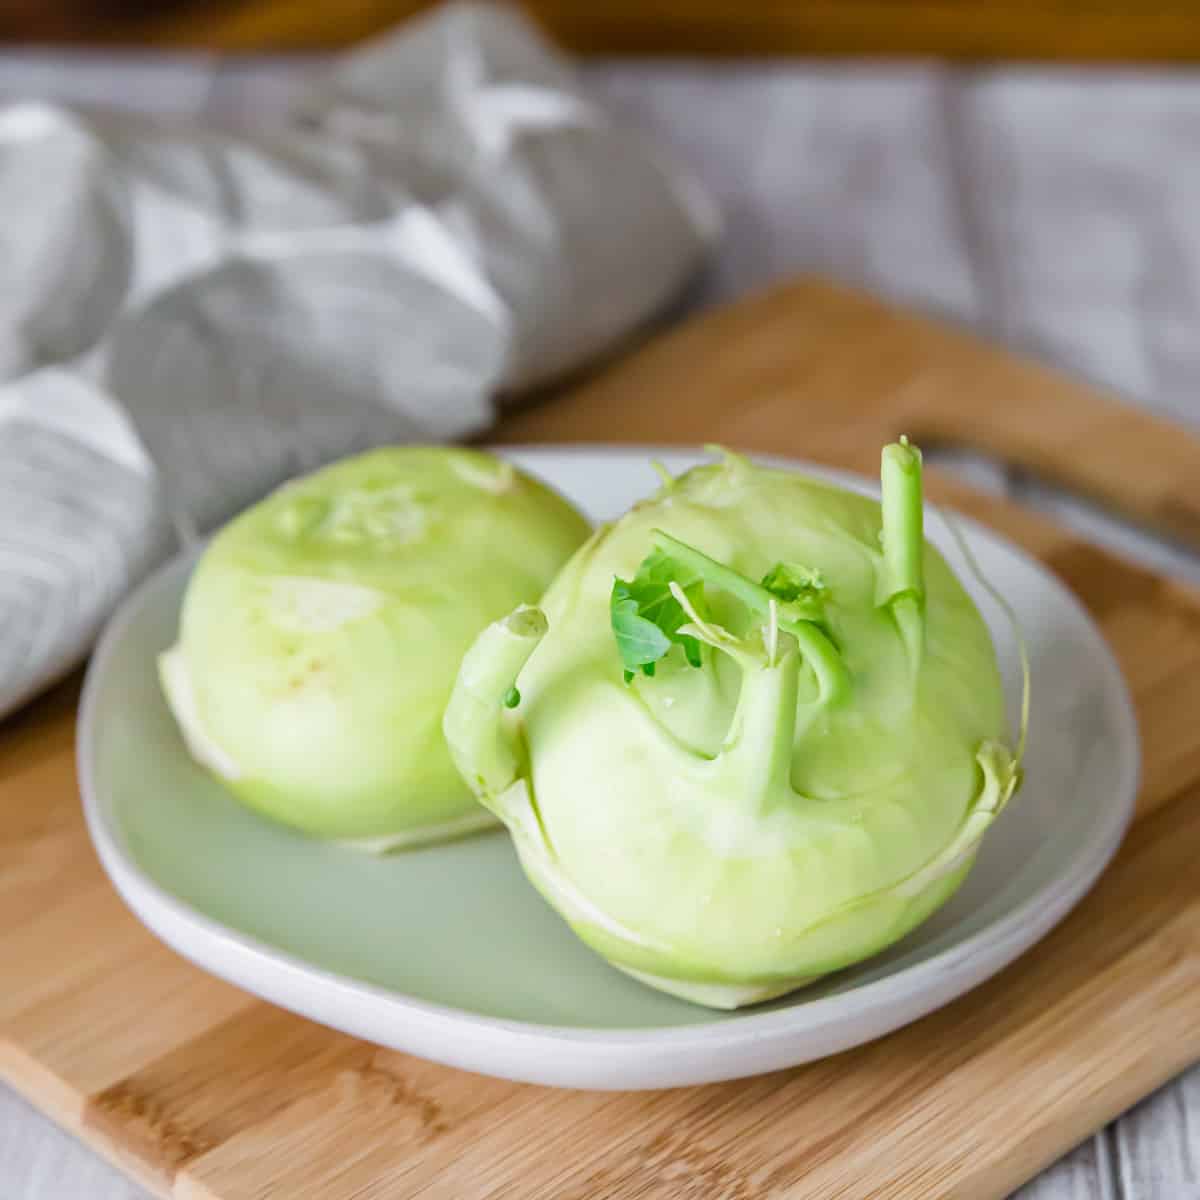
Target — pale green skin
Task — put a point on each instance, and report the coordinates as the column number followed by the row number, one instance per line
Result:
column 322, row 706
column 730, row 851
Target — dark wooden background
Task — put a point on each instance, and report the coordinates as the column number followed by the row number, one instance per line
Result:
column 1057, row 30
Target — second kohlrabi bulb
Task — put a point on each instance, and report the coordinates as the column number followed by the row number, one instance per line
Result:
column 323, row 628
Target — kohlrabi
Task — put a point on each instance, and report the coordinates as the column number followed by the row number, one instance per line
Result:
column 754, row 733
column 323, row 628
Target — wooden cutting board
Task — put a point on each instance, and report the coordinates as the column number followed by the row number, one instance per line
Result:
column 201, row 1091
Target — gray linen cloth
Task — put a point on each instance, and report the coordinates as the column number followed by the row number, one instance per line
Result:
column 189, row 316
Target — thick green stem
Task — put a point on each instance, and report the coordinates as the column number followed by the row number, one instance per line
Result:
column 796, row 617
column 902, row 577
column 482, row 741
column 833, row 680
column 903, row 521
column 753, row 595
column 757, row 754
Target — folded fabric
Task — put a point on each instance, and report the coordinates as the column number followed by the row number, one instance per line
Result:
column 80, row 520
column 192, row 316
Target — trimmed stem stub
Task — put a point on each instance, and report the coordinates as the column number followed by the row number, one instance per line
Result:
column 481, row 736
column 1000, row 775
column 901, row 583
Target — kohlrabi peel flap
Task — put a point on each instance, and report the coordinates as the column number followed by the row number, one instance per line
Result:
column 322, row 631
column 758, row 730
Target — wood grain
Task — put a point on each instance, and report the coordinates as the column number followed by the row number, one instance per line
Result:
column 204, row 1093
column 906, row 374
column 1094, row 30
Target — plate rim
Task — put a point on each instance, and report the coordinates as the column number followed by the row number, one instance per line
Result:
column 1005, row 939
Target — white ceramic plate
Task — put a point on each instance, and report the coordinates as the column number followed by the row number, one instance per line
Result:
column 449, row 954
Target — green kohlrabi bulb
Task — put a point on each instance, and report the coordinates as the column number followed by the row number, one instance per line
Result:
column 323, row 628
column 760, row 730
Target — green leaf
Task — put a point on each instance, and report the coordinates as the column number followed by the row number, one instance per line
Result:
column 789, row 581
column 646, row 617
column 639, row 641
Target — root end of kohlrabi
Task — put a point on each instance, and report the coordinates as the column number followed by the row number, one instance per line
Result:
column 725, row 996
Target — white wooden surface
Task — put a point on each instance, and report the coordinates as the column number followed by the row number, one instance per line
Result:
column 1058, row 212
